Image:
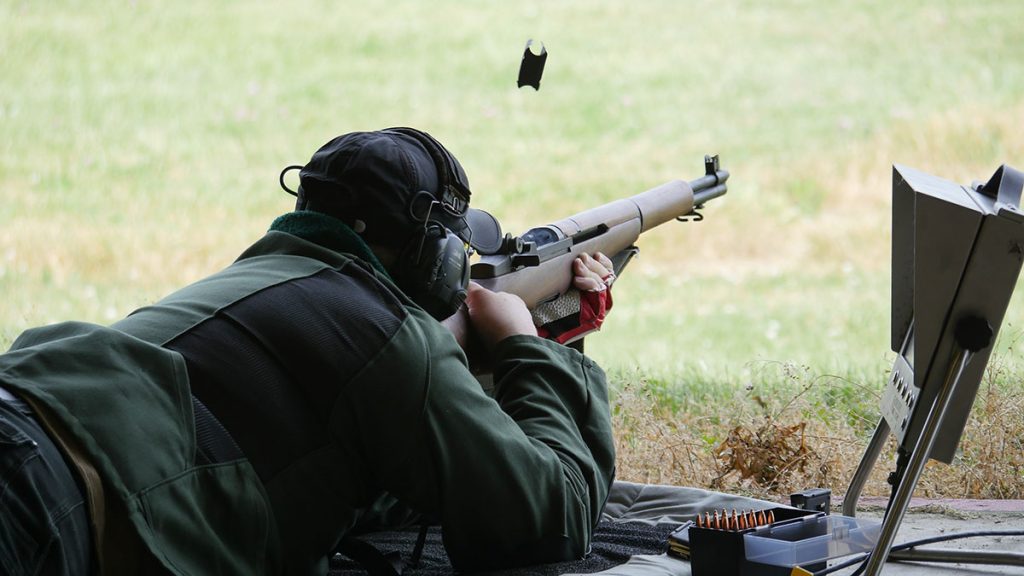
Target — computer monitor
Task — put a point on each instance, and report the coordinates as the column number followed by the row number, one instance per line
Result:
column 956, row 255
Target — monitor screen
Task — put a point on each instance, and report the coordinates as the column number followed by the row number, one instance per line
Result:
column 957, row 253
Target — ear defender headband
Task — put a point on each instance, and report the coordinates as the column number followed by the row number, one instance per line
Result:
column 453, row 190
column 433, row 268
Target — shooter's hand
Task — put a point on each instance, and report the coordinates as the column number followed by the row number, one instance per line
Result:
column 497, row 315
column 593, row 273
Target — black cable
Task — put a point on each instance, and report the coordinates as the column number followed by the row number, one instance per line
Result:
column 948, row 537
column 896, row 476
column 417, row 551
column 280, row 179
column 862, row 558
column 863, row 566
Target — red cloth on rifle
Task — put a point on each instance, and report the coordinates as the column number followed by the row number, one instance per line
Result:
column 594, row 307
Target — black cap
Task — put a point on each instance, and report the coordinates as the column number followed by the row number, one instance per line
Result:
column 391, row 181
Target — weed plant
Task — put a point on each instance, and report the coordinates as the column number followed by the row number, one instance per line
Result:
column 796, row 429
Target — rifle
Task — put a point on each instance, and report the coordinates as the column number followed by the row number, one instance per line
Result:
column 537, row 266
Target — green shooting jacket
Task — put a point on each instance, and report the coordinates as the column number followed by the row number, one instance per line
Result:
column 515, row 478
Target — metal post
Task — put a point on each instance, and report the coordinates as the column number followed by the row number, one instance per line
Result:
column 867, row 463
column 918, row 458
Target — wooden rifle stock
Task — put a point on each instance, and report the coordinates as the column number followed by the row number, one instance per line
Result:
column 537, row 266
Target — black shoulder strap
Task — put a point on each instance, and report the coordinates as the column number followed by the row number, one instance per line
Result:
column 374, row 561
column 379, row 563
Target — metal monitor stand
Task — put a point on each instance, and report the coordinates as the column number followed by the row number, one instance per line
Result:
column 973, row 334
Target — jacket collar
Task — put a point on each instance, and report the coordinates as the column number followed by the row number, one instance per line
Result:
column 326, row 231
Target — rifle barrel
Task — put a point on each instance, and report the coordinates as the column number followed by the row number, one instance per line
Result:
column 708, row 187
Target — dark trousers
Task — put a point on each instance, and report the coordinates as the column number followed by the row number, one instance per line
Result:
column 44, row 520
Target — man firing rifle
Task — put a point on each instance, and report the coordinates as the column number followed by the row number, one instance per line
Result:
column 250, row 422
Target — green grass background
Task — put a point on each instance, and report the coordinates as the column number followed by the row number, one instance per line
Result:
column 141, row 141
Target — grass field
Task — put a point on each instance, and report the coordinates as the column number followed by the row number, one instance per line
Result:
column 140, row 146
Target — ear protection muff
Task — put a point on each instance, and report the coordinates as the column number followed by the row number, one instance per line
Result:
column 433, row 270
